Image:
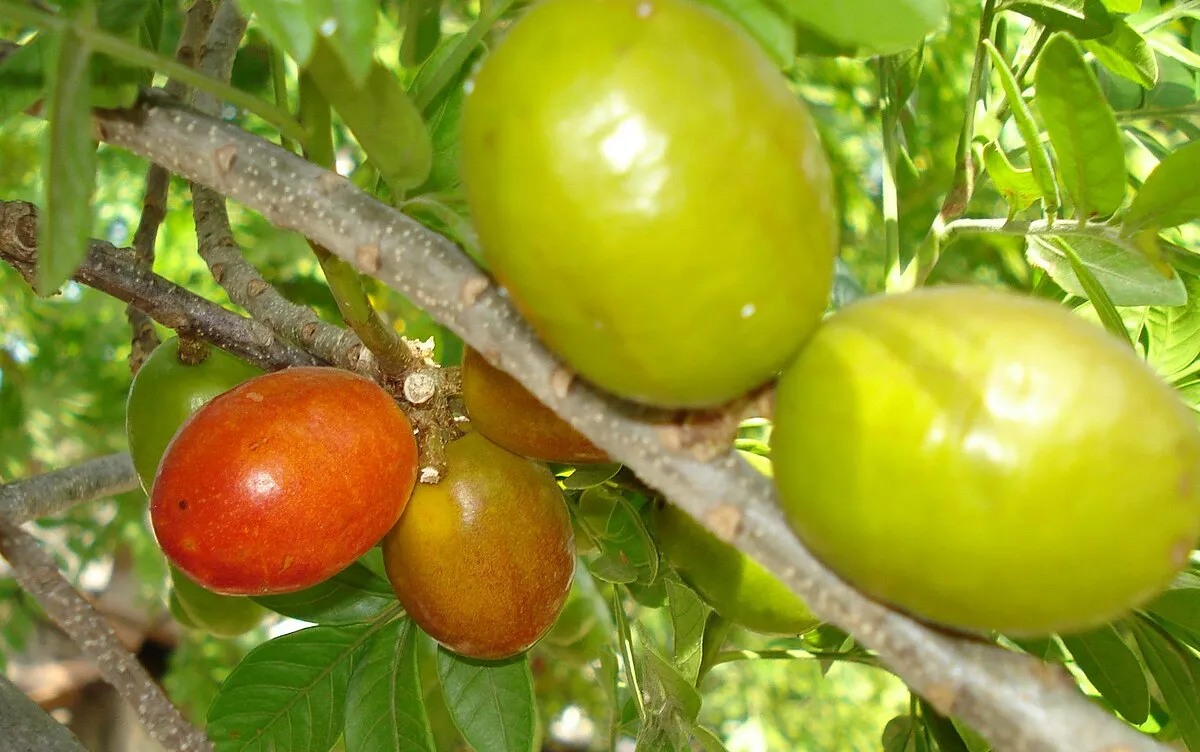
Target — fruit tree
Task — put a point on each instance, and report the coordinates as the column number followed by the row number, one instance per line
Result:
column 600, row 375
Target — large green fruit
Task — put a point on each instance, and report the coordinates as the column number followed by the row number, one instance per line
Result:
column 219, row 615
column 652, row 196
column 986, row 460
column 165, row 392
column 738, row 588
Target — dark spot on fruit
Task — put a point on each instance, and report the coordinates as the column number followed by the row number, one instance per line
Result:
column 183, row 504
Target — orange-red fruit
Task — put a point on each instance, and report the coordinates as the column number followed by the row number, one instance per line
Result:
column 283, row 481
column 483, row 561
column 507, row 413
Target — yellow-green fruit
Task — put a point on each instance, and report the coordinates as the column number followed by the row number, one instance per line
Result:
column 986, row 460
column 219, row 615
column 737, row 587
column 652, row 195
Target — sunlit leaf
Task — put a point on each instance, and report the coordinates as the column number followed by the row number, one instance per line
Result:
column 1175, row 332
column 1113, row 668
column 773, row 31
column 586, row 476
column 1171, row 194
column 1177, row 674
column 1126, row 275
column 353, row 595
column 492, row 703
column 1126, row 53
column 885, row 28
column 1083, row 19
column 1019, row 188
column 385, row 709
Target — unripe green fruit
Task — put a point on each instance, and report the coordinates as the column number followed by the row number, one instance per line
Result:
column 219, row 615
column 986, row 460
column 652, row 195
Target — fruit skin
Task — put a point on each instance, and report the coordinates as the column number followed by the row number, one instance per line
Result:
column 218, row 615
column 165, row 392
column 987, row 461
column 283, row 481
column 483, row 561
column 652, row 196
column 509, row 415
column 737, row 587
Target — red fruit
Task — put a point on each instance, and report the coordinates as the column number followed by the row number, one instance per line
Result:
column 283, row 481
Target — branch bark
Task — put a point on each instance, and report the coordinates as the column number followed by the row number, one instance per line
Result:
column 38, row 573
column 53, row 492
column 1016, row 702
column 25, row 727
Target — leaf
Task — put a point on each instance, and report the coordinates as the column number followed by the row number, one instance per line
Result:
column 586, row 476
column 1123, row 6
column 1179, row 606
column 1175, row 671
column 385, row 708
column 422, row 31
column 1113, row 668
column 1125, row 53
column 709, row 742
column 354, row 36
column 1082, row 129
column 22, row 76
column 1083, row 19
column 620, row 534
column 1171, row 194
column 662, row 683
column 288, row 693
column 944, row 732
column 688, row 616
column 1018, row 187
column 1175, row 332
column 1128, row 277
column 774, row 33
column 492, row 703
column 884, row 28
column 293, row 32
column 69, row 155
column 900, row 734
column 353, row 595
column 1039, row 160
column 381, row 117
column 1095, row 292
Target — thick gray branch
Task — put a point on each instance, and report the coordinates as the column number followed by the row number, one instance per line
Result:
column 38, row 573
column 53, row 492
column 1016, row 702
column 24, row 727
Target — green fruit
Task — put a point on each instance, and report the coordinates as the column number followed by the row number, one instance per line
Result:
column 737, row 587
column 652, row 195
column 219, row 615
column 177, row 611
column 165, row 392
column 987, row 461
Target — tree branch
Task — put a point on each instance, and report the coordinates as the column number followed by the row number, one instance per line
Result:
column 38, row 573
column 1015, row 701
column 51, row 493
column 113, row 271
column 25, row 727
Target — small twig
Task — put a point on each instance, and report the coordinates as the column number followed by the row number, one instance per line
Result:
column 1034, row 227
column 38, row 574
column 25, row 727
column 113, row 271
column 54, row 492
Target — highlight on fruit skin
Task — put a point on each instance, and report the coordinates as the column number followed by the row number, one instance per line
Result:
column 283, row 481
column 483, row 561
column 508, row 414
column 682, row 199
column 986, row 460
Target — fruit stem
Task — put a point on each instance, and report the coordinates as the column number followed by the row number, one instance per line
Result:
column 192, row 352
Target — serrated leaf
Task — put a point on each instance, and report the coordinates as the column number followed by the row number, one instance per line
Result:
column 586, row 476
column 1113, row 668
column 353, row 595
column 69, row 156
column 883, row 28
column 1018, row 187
column 289, row 693
column 422, row 31
column 1175, row 332
column 1171, row 194
column 1039, row 160
column 689, row 614
column 22, row 76
column 492, row 703
column 774, row 33
column 1083, row 19
column 1082, row 129
column 620, row 534
column 381, row 117
column 1125, row 53
column 385, row 707
column 1176, row 672
column 1128, row 277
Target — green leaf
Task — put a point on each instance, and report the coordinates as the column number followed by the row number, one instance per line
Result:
column 664, row 685
column 22, row 76
column 1082, row 128
column 1125, row 53
column 1113, row 668
column 586, row 476
column 689, row 614
column 353, row 595
column 1169, row 197
column 1095, row 292
column 1018, row 187
column 1175, row 671
column 1039, row 160
column 385, row 708
column 971, row 737
column 69, row 156
column 884, row 28
column 422, row 31
column 943, row 731
column 620, row 534
column 1179, row 606
column 293, row 32
column 776, row 34
column 1123, row 6
column 901, row 734
column 381, row 117
column 354, row 36
column 289, row 693
column 1129, row 278
column 709, row 742
column 1175, row 332
column 492, row 703
column 1083, row 19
